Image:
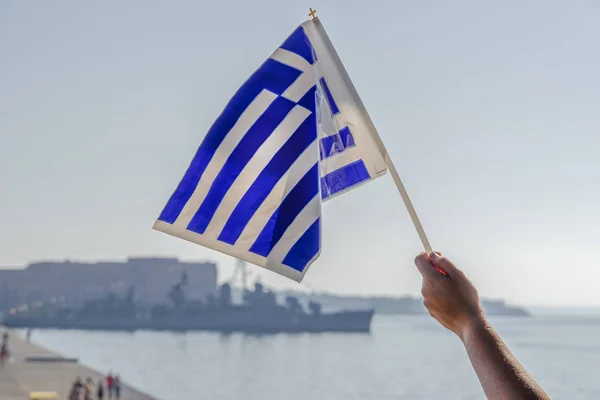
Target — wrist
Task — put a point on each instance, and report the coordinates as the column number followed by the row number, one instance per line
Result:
column 471, row 326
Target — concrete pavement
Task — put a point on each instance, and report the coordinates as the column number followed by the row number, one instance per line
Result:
column 20, row 377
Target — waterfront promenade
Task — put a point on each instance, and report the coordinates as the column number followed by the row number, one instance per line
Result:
column 20, row 377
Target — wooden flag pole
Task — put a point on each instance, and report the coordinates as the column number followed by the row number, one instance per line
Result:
column 407, row 202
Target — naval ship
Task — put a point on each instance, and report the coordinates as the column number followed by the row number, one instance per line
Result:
column 258, row 312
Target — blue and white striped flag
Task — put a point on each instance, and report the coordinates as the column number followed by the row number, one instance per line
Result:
column 295, row 134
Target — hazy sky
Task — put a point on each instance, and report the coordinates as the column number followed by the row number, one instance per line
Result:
column 491, row 112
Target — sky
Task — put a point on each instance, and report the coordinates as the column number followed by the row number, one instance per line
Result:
column 490, row 111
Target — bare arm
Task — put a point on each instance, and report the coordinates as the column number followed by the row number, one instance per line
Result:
column 454, row 303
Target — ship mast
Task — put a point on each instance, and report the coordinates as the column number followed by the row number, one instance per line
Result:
column 241, row 264
column 241, row 269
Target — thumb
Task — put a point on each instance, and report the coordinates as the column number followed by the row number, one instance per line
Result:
column 422, row 261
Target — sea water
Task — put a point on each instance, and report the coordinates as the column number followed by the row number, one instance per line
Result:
column 405, row 357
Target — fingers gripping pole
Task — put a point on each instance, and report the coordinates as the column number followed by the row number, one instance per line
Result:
column 408, row 203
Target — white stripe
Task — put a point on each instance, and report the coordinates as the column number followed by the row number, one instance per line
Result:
column 304, row 82
column 339, row 160
column 301, row 85
column 303, row 221
column 258, row 106
column 254, row 167
column 260, row 218
column 292, row 59
column 344, row 118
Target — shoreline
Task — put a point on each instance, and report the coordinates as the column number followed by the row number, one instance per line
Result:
column 55, row 374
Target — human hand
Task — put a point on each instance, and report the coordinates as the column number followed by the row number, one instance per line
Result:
column 453, row 301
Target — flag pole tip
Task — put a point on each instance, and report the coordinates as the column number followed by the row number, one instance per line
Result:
column 312, row 13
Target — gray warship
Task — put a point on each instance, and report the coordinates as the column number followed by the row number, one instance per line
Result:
column 258, row 312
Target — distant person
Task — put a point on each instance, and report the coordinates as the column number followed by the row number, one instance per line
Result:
column 117, row 384
column 89, row 390
column 29, row 331
column 4, row 352
column 76, row 390
column 454, row 303
column 109, row 385
column 100, row 390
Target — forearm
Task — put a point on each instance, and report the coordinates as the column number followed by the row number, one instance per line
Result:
column 499, row 372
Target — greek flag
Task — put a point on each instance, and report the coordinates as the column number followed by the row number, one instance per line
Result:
column 294, row 135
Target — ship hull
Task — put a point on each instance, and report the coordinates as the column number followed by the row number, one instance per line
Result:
column 226, row 322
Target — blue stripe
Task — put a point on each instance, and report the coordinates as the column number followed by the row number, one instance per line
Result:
column 238, row 159
column 306, row 189
column 273, row 76
column 308, row 100
column 337, row 143
column 298, row 43
column 305, row 249
column 343, row 178
column 268, row 178
column 332, row 105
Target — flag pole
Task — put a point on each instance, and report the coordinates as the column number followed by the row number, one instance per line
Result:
column 376, row 137
column 409, row 206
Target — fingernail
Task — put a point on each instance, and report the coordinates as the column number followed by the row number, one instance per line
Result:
column 433, row 255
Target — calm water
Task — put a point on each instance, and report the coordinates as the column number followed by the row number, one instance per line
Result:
column 404, row 358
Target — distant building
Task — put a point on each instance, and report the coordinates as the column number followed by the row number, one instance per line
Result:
column 75, row 282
